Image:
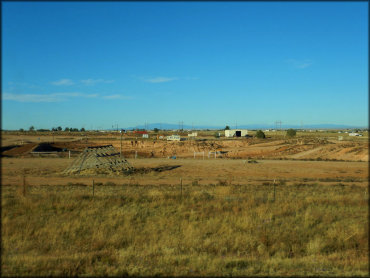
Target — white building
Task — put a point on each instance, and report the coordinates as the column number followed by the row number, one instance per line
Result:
column 236, row 132
column 173, row 138
column 146, row 135
column 354, row 134
column 194, row 134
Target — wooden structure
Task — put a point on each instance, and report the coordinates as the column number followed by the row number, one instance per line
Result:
column 100, row 157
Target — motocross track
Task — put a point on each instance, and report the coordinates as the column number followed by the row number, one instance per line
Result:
column 298, row 149
column 293, row 160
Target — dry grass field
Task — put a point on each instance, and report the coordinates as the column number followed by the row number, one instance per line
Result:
column 251, row 216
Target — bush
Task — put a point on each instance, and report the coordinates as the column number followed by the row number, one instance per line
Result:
column 291, row 132
column 260, row 134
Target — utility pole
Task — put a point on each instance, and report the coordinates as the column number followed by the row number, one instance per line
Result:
column 277, row 123
column 120, row 151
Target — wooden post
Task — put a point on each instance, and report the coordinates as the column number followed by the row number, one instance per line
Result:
column 181, row 188
column 274, row 191
column 203, row 155
column 69, row 154
column 135, row 154
column 24, row 185
column 120, row 151
column 93, row 184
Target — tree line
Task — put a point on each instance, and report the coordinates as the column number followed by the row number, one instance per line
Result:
column 59, row 128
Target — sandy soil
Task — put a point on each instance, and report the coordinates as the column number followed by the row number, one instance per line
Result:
column 303, row 149
column 47, row 171
column 290, row 160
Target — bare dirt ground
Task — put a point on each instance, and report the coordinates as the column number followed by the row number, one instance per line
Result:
column 294, row 160
column 47, row 171
column 301, row 148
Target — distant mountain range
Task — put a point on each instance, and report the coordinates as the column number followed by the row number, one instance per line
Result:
column 247, row 126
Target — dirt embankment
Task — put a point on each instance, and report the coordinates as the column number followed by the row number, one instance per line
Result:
column 294, row 149
column 247, row 148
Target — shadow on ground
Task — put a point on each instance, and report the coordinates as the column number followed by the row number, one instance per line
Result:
column 162, row 168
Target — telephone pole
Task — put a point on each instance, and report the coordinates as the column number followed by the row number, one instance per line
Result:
column 278, row 123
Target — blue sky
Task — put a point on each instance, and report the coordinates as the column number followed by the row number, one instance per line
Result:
column 98, row 64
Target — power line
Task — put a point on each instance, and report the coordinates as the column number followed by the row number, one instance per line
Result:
column 278, row 123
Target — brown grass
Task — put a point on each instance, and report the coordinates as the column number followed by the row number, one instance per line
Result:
column 310, row 229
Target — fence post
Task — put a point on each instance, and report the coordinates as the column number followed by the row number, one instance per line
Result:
column 93, row 184
column 274, row 190
column 181, row 188
column 203, row 155
column 120, row 150
column 24, row 185
column 69, row 154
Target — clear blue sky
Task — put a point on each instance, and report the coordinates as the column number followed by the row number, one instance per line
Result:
column 95, row 64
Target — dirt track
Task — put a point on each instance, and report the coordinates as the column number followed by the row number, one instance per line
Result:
column 246, row 148
column 47, row 171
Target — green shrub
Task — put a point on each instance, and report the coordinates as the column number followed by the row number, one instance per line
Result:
column 260, row 134
column 291, row 132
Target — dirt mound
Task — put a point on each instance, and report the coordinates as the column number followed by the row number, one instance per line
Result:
column 46, row 147
column 300, row 148
column 26, row 149
column 74, row 145
column 19, row 150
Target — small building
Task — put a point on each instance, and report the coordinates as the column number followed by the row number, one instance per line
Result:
column 193, row 134
column 140, row 132
column 354, row 134
column 173, row 138
column 146, row 135
column 236, row 132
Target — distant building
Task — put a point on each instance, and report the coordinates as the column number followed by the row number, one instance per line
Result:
column 354, row 134
column 146, row 135
column 194, row 134
column 140, row 132
column 173, row 138
column 236, row 132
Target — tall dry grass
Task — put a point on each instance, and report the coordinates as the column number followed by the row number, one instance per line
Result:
column 223, row 229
